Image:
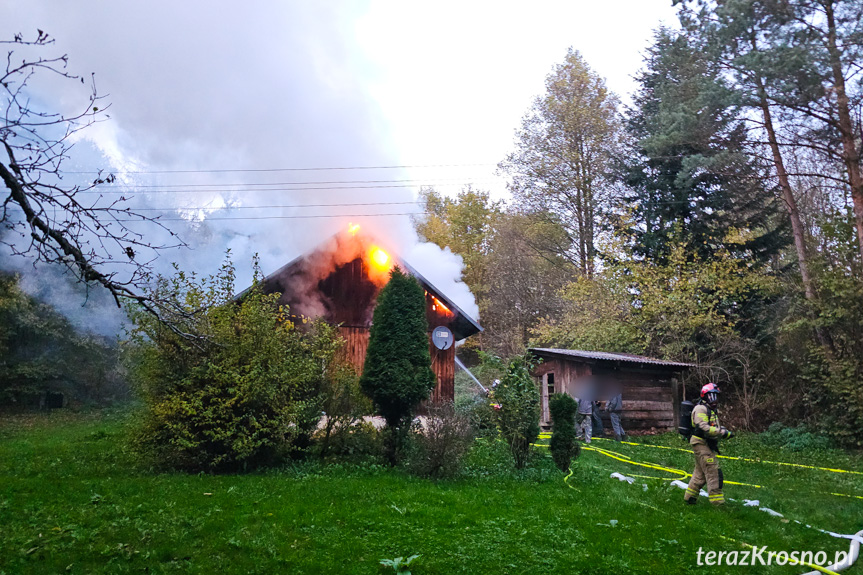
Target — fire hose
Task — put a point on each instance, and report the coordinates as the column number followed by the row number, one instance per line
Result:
column 856, row 539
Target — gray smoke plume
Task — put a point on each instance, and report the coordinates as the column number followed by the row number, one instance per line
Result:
column 205, row 86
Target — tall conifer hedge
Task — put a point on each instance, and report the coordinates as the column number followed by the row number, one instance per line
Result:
column 397, row 374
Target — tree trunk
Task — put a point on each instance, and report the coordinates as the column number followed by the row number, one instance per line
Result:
column 823, row 335
column 850, row 155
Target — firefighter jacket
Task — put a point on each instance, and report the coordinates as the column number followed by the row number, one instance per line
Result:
column 705, row 426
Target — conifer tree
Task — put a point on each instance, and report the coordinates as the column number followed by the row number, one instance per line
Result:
column 397, row 374
column 690, row 177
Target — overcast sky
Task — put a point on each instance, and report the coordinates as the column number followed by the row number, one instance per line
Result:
column 269, row 85
column 199, row 85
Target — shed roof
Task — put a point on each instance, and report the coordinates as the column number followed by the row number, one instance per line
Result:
column 602, row 356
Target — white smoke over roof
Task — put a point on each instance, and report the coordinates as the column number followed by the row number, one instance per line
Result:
column 197, row 86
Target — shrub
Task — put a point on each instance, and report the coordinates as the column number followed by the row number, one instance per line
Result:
column 42, row 353
column 439, row 448
column 481, row 416
column 239, row 389
column 359, row 442
column 343, row 405
column 794, row 438
column 517, row 409
column 562, row 408
column 397, row 374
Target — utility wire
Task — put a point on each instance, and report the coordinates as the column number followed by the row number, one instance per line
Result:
column 269, row 207
column 192, row 220
column 420, row 181
column 319, row 169
column 300, row 189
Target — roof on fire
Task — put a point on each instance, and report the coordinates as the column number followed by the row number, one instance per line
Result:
column 603, row 356
column 463, row 325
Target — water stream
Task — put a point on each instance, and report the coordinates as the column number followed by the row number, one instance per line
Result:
column 467, row 371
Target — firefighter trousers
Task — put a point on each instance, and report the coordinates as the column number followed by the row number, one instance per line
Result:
column 706, row 471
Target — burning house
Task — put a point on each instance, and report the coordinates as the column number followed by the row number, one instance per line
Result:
column 340, row 280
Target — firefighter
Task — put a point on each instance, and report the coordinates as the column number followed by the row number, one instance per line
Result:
column 706, row 433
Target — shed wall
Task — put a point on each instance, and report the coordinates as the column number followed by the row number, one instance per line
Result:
column 648, row 394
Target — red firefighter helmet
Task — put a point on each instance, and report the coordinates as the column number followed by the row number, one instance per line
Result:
column 710, row 394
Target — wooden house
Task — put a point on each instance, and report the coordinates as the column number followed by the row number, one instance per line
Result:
column 340, row 281
column 651, row 389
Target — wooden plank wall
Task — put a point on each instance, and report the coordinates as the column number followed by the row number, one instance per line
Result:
column 648, row 399
column 356, row 344
column 443, row 365
column 443, row 361
column 648, row 395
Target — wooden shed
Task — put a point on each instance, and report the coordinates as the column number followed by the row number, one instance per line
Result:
column 651, row 387
column 340, row 281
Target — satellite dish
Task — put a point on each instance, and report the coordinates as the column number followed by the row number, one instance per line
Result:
column 442, row 337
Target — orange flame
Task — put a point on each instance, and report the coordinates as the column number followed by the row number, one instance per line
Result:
column 380, row 257
column 438, row 303
column 353, row 228
column 379, row 265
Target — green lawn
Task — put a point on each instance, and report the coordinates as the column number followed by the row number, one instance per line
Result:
column 73, row 501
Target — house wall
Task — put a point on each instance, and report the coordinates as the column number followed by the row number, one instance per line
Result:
column 566, row 376
column 348, row 297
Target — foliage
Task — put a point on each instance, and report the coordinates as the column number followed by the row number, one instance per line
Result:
column 400, row 564
column 561, row 165
column 439, row 447
column 798, row 438
column 343, row 406
column 466, row 225
column 517, row 408
column 358, row 442
column 40, row 351
column 397, row 373
column 562, row 408
column 481, row 417
column 242, row 391
column 689, row 176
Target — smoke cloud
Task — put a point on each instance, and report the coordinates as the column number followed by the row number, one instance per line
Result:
column 202, row 86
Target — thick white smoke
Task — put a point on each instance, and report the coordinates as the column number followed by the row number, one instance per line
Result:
column 201, row 86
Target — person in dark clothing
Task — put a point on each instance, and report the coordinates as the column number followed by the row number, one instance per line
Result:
column 614, row 407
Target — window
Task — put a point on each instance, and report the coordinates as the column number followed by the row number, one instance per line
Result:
column 550, row 384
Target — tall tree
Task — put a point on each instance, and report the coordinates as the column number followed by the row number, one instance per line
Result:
column 560, row 167
column 741, row 35
column 689, row 172
column 397, row 373
column 466, row 225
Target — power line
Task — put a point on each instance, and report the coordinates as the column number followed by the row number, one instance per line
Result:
column 268, row 207
column 319, row 169
column 423, row 181
column 262, row 189
column 272, row 217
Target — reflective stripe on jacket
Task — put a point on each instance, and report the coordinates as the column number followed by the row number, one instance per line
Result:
column 706, row 421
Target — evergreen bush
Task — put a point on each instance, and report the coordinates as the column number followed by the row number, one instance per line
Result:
column 397, row 374
column 562, row 408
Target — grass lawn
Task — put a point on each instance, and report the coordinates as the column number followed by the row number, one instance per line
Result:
column 72, row 500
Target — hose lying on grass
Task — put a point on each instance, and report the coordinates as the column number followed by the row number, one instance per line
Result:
column 856, row 539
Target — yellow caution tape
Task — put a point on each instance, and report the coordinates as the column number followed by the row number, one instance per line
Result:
column 681, row 474
column 746, row 459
